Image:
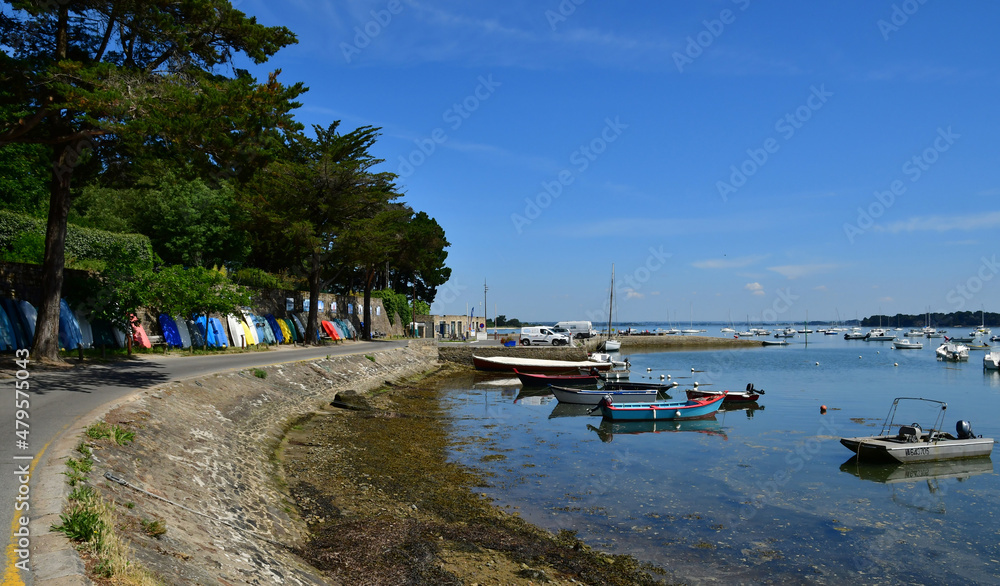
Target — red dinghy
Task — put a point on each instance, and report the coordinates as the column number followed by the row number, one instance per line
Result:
column 542, row 380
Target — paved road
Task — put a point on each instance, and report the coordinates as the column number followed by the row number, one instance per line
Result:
column 58, row 398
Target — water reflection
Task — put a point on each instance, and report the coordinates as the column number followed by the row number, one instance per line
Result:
column 917, row 471
column 607, row 429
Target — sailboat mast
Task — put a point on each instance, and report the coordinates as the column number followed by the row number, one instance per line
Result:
column 611, row 303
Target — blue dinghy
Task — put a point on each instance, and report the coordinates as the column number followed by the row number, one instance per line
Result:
column 692, row 409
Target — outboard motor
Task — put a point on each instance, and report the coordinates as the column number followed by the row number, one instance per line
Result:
column 964, row 429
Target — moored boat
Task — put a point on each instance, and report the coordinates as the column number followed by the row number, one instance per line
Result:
column 906, row 344
column 912, row 444
column 535, row 365
column 952, row 352
column 595, row 396
column 747, row 396
column 544, row 380
column 690, row 409
column 991, row 361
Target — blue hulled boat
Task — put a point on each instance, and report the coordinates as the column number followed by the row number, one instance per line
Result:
column 691, row 409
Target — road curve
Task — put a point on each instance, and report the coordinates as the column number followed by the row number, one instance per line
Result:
column 58, row 398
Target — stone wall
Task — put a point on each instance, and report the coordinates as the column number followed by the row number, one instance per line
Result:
column 207, row 444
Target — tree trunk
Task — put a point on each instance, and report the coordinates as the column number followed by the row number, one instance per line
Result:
column 46, row 343
column 366, row 331
column 313, row 321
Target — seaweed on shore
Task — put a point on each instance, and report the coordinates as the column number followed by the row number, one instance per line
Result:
column 385, row 506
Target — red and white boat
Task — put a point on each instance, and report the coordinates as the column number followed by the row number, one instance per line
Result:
column 535, row 365
column 543, row 380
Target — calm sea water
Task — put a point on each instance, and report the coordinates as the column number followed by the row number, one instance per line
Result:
column 765, row 495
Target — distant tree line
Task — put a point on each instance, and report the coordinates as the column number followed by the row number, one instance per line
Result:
column 937, row 320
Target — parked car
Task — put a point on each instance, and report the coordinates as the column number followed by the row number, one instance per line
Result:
column 578, row 329
column 542, row 336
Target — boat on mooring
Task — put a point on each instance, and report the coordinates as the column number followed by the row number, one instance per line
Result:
column 576, row 396
column 690, row 409
column 991, row 361
column 536, row 365
column 907, row 344
column 951, row 352
column 544, row 380
column 912, row 444
column 749, row 395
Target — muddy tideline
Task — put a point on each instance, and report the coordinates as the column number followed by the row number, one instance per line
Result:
column 385, row 506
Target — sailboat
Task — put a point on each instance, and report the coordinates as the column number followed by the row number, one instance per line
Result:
column 610, row 345
column 691, row 329
column 729, row 328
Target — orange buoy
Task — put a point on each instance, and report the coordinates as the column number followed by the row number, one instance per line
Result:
column 822, row 408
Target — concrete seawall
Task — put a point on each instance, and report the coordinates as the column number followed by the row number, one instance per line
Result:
column 207, row 446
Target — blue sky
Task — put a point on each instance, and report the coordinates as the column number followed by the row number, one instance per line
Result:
column 731, row 157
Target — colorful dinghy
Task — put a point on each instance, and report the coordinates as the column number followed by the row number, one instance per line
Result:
column 286, row 332
column 279, row 336
column 182, row 331
column 86, row 332
column 657, row 410
column 14, row 317
column 330, row 330
column 236, row 332
column 104, row 335
column 139, row 334
column 8, row 341
column 220, row 332
column 197, row 337
column 251, row 329
column 296, row 334
column 69, row 329
column 264, row 330
column 170, row 333
column 28, row 317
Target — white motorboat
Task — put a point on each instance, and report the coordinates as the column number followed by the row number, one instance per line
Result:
column 879, row 335
column 991, row 361
column 594, row 396
column 604, row 357
column 952, row 352
column 854, row 334
column 906, row 344
column 912, row 444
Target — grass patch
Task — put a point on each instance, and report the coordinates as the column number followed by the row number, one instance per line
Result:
column 153, row 528
column 116, row 433
column 370, row 357
column 260, row 373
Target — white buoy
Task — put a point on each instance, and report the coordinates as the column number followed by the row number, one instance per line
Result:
column 878, row 351
column 668, row 376
column 661, row 377
column 692, row 369
column 695, row 383
column 817, row 364
column 895, row 364
column 859, row 358
column 649, row 369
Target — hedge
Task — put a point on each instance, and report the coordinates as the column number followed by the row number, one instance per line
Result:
column 81, row 243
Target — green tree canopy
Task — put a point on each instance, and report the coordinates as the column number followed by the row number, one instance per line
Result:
column 123, row 76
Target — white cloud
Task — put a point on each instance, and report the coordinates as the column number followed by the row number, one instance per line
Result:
column 943, row 223
column 631, row 293
column 754, row 288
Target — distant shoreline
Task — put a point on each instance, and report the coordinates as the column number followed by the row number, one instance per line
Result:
column 679, row 342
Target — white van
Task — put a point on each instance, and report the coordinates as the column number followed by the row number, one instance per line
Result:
column 579, row 329
column 543, row 336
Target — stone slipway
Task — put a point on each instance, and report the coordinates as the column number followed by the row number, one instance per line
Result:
column 207, row 445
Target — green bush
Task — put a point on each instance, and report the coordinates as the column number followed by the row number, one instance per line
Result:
column 81, row 243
